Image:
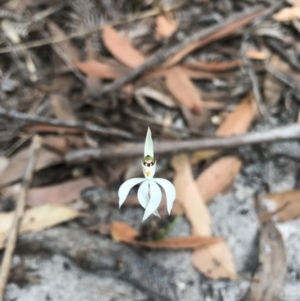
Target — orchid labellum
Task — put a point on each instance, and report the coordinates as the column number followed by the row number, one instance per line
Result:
column 149, row 193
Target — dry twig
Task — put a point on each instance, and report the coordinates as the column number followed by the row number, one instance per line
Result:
column 68, row 124
column 284, row 78
column 254, row 80
column 136, row 149
column 13, row 234
column 277, row 47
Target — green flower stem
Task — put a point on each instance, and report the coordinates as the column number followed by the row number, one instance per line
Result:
column 168, row 229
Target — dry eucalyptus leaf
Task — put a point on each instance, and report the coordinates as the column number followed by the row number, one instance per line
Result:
column 183, row 89
column 237, row 122
column 223, row 171
column 215, row 262
column 285, row 205
column 165, row 27
column 123, row 232
column 294, row 2
column 121, row 48
column 62, row 107
column 156, row 95
column 15, row 169
column 269, row 278
column 101, row 70
column 37, row 219
column 287, row 14
column 58, row 194
column 189, row 197
column 63, row 143
column 218, row 176
column 255, row 54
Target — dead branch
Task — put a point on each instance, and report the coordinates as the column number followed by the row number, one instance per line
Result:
column 208, row 35
column 281, row 51
column 68, row 124
column 254, row 80
column 161, row 148
column 19, row 212
column 284, row 78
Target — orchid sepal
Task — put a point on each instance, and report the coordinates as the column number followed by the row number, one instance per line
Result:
column 126, row 187
column 148, row 147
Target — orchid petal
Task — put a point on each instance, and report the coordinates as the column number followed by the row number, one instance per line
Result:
column 148, row 148
column 156, row 213
column 170, row 192
column 155, row 199
column 143, row 196
column 125, row 188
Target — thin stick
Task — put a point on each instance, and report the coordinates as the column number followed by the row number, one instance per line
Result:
column 283, row 77
column 68, row 124
column 281, row 51
column 124, row 150
column 13, row 234
column 254, row 80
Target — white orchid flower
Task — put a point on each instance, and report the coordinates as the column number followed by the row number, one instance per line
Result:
column 149, row 193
